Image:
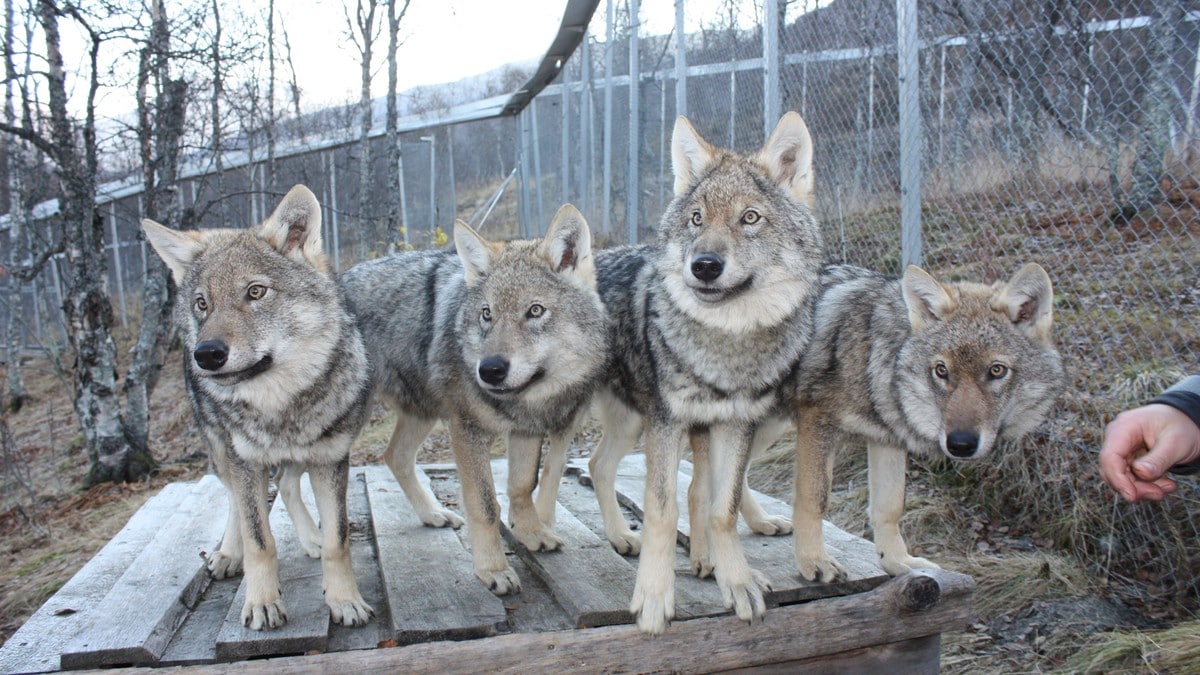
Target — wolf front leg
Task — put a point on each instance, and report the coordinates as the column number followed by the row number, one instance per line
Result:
column 226, row 561
column 766, row 433
column 699, row 501
column 524, row 451
column 401, row 458
column 288, row 480
column 470, row 445
column 885, row 476
column 653, row 600
column 621, row 426
column 813, row 480
column 264, row 603
column 346, row 604
column 554, row 463
column 742, row 586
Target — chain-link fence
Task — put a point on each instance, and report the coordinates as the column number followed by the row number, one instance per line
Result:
column 1056, row 132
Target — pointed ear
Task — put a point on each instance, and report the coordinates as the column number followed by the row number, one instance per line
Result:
column 568, row 244
column 294, row 227
column 177, row 249
column 476, row 252
column 788, row 156
column 1028, row 301
column 927, row 300
column 690, row 154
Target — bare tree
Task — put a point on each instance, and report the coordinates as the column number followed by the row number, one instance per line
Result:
column 393, row 115
column 270, row 122
column 363, row 32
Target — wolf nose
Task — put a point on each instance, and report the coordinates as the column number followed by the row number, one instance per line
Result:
column 962, row 443
column 707, row 266
column 493, row 370
column 211, row 354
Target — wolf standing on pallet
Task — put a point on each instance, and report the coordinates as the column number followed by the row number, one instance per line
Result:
column 277, row 376
column 710, row 322
column 913, row 365
column 501, row 338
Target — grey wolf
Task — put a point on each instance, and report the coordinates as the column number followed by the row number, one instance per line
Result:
column 709, row 323
column 502, row 338
column 276, row 373
column 912, row 365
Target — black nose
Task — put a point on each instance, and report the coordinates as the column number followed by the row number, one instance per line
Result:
column 493, row 370
column 707, row 266
column 211, row 354
column 962, row 443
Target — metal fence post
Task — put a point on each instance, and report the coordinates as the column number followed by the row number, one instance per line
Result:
column 633, row 178
column 680, row 61
column 772, row 60
column 606, row 170
column 908, row 50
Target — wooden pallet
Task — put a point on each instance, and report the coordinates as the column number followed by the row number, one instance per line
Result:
column 145, row 600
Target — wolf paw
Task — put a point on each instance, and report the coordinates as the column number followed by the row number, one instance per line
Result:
column 822, row 569
column 311, row 546
column 349, row 611
column 745, row 596
column 222, row 566
column 772, row 526
column 702, row 567
column 500, row 582
column 625, row 542
column 256, row 616
column 442, row 518
column 898, row 565
column 539, row 539
column 653, row 609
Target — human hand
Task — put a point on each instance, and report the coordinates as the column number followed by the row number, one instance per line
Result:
column 1141, row 444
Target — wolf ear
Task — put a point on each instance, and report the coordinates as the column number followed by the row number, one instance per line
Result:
column 927, row 300
column 1028, row 301
column 475, row 251
column 294, row 227
column 690, row 154
column 788, row 156
column 568, row 244
column 177, row 249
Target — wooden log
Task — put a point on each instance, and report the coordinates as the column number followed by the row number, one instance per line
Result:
column 38, row 643
column 137, row 618
column 810, row 630
column 430, row 586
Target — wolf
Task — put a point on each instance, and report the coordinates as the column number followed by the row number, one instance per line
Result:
column 276, row 374
column 912, row 365
column 709, row 323
column 502, row 338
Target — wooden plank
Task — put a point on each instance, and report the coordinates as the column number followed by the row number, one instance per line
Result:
column 137, row 618
column 588, row 578
column 430, row 586
column 366, row 572
column 37, row 644
column 883, row 615
column 196, row 640
column 307, row 627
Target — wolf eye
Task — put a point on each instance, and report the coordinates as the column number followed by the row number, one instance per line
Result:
column 750, row 217
column 201, row 305
column 256, row 292
column 998, row 371
column 940, row 371
column 535, row 310
column 486, row 315
column 697, row 219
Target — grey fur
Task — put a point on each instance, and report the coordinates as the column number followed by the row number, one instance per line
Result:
column 276, row 374
column 433, row 322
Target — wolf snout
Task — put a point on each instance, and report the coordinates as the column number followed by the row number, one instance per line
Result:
column 493, row 370
column 962, row 444
column 211, row 354
column 707, row 267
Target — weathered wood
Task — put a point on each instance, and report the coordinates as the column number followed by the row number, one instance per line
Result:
column 38, row 643
column 912, row 657
column 791, row 633
column 366, row 571
column 430, row 586
column 137, row 618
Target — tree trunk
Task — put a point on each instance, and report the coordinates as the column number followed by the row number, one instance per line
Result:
column 393, row 138
column 17, row 241
column 366, row 27
column 271, row 169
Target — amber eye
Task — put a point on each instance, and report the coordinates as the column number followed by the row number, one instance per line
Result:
column 697, row 219
column 535, row 310
column 941, row 371
column 486, row 315
column 256, row 292
column 750, row 217
column 998, row 371
column 201, row 305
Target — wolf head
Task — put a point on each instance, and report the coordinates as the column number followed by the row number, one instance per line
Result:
column 980, row 363
column 532, row 322
column 740, row 247
column 253, row 303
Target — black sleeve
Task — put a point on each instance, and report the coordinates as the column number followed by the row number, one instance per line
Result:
column 1184, row 397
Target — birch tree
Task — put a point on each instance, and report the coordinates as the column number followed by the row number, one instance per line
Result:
column 393, row 115
column 363, row 32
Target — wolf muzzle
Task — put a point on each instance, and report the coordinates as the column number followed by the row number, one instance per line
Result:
column 493, row 370
column 962, row 444
column 211, row 354
column 707, row 267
